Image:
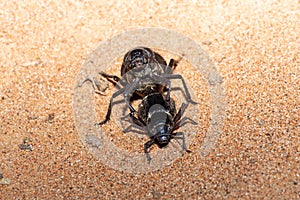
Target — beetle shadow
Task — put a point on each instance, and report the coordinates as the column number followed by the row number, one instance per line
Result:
column 132, row 127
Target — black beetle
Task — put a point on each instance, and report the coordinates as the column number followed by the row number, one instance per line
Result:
column 143, row 72
column 158, row 119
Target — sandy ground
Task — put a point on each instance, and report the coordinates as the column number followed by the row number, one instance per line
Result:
column 255, row 47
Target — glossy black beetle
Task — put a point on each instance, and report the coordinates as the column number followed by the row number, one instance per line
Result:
column 144, row 72
column 158, row 119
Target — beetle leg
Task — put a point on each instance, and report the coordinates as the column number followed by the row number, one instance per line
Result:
column 115, row 80
column 180, row 122
column 180, row 113
column 169, row 68
column 128, row 94
column 184, row 121
column 107, row 117
column 172, row 65
column 178, row 76
column 147, row 145
column 164, row 81
column 136, row 120
column 108, row 76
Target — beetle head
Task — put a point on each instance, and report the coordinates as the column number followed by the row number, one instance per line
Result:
column 163, row 135
column 137, row 58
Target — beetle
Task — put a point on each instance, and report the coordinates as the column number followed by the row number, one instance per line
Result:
column 143, row 72
column 158, row 119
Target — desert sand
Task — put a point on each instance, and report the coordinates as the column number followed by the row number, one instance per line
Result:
column 255, row 49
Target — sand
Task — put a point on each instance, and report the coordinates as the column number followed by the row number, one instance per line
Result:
column 254, row 48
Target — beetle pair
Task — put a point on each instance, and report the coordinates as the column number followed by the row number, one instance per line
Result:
column 146, row 74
